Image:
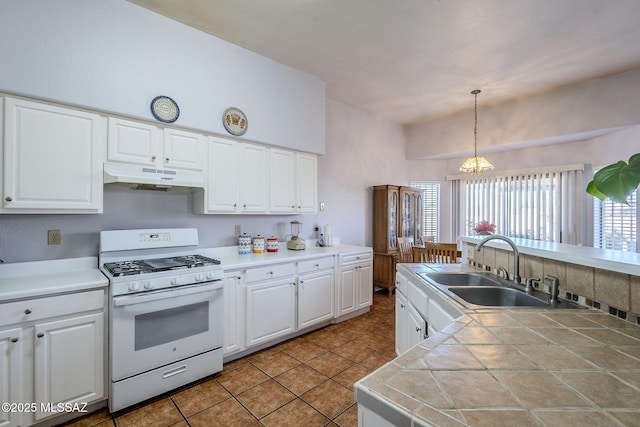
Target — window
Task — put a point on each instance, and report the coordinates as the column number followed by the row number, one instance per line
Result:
column 430, row 208
column 540, row 205
column 615, row 225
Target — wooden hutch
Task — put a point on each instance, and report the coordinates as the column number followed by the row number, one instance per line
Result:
column 397, row 212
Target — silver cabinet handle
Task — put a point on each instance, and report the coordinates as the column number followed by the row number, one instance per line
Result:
column 40, row 335
column 27, row 311
column 153, row 158
column 166, row 159
column 8, row 198
column 418, row 329
column 401, row 305
column 14, row 339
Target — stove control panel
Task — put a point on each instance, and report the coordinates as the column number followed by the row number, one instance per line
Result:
column 168, row 281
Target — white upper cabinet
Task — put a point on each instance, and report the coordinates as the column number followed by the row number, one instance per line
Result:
column 293, row 181
column 236, row 178
column 148, row 145
column 52, row 158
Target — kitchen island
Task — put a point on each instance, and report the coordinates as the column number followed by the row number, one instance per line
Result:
column 510, row 366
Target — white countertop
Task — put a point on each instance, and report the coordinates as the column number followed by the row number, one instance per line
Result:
column 42, row 278
column 606, row 259
column 232, row 260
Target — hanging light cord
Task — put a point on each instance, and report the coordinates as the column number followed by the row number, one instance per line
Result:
column 475, row 124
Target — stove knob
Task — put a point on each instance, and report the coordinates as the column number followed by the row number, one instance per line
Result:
column 199, row 277
column 147, row 285
column 133, row 286
column 175, row 280
column 211, row 275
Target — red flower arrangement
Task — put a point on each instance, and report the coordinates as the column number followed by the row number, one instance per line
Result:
column 484, row 227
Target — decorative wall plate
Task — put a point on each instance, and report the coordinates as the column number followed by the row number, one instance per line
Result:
column 165, row 109
column 234, row 121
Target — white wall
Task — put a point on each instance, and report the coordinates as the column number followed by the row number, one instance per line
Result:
column 568, row 112
column 114, row 56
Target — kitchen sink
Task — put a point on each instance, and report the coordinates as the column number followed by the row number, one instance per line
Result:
column 496, row 296
column 462, row 279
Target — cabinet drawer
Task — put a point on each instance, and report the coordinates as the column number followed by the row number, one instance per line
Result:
column 418, row 298
column 315, row 264
column 353, row 258
column 402, row 284
column 42, row 308
column 269, row 272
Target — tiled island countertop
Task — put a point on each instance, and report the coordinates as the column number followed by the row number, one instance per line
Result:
column 519, row 367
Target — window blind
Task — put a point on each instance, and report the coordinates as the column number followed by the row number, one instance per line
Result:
column 540, row 205
column 430, row 208
column 615, row 224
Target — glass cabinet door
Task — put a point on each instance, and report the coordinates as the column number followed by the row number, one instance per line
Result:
column 393, row 219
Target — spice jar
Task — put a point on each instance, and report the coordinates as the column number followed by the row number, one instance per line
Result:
column 272, row 244
column 244, row 244
column 258, row 244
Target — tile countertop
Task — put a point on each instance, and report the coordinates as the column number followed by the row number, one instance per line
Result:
column 42, row 278
column 524, row 367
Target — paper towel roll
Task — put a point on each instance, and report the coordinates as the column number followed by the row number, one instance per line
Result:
column 327, row 235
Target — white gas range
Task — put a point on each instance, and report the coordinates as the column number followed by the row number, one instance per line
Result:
column 166, row 312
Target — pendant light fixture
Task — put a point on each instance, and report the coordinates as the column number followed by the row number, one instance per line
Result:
column 475, row 165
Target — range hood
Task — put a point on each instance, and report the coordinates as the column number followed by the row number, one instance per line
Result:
column 148, row 178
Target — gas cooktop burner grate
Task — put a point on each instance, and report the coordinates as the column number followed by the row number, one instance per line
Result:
column 130, row 268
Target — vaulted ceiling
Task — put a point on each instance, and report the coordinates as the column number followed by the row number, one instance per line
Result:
column 416, row 60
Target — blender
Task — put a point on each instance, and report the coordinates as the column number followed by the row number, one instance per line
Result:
column 296, row 243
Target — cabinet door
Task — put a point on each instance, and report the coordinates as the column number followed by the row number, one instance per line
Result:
column 401, row 323
column 416, row 327
column 183, row 150
column 53, row 159
column 11, row 349
column 283, row 186
column 134, row 142
column 347, row 291
column 315, row 298
column 307, row 183
column 222, row 176
column 69, row 360
column 271, row 310
column 365, row 285
column 233, row 339
column 252, row 169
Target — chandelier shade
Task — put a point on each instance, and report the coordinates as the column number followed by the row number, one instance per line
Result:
column 475, row 165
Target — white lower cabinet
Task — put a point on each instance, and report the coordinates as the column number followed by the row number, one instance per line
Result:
column 51, row 352
column 233, row 339
column 67, row 368
column 421, row 311
column 11, row 351
column 271, row 310
column 355, row 289
column 316, row 284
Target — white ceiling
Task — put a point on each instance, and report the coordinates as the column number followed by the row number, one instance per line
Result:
column 415, row 60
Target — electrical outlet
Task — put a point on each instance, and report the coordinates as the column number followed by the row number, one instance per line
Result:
column 321, row 206
column 54, row 237
column 238, row 230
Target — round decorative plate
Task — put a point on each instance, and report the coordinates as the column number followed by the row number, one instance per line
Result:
column 165, row 109
column 234, row 121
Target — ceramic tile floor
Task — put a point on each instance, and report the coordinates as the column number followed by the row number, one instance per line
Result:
column 306, row 381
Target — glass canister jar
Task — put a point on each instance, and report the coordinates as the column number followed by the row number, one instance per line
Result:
column 244, row 244
column 258, row 244
column 272, row 244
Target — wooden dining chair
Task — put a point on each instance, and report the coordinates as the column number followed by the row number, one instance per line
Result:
column 442, row 253
column 405, row 253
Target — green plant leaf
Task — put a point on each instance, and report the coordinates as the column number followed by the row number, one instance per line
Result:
column 591, row 189
column 618, row 180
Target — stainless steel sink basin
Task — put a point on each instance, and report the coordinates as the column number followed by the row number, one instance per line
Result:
column 496, row 296
column 462, row 279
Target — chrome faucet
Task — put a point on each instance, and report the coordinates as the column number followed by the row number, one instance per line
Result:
column 516, row 254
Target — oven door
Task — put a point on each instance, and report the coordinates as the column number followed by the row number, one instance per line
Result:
column 153, row 329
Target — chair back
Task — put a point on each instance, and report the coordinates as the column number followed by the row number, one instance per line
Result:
column 442, row 253
column 405, row 253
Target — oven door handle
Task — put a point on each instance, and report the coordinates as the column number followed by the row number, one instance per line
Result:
column 121, row 301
